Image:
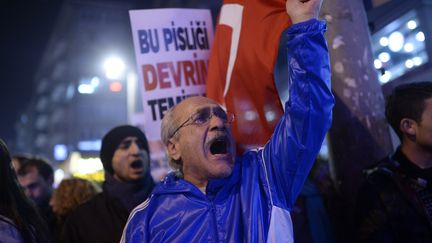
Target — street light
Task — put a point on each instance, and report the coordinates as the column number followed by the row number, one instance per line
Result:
column 114, row 67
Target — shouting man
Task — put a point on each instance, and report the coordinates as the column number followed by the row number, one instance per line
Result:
column 213, row 197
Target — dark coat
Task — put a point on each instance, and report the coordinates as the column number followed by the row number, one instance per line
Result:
column 108, row 217
column 102, row 218
column 388, row 208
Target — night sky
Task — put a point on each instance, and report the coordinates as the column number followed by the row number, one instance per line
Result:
column 25, row 31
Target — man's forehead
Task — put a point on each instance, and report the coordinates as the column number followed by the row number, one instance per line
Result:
column 31, row 174
column 31, row 170
column 193, row 104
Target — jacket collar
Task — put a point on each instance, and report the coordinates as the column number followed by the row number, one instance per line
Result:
column 216, row 189
column 409, row 168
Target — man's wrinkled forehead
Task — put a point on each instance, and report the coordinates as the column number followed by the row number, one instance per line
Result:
column 191, row 105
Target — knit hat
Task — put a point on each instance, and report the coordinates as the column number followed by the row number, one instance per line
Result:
column 112, row 140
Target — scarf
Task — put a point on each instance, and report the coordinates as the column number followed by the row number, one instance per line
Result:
column 131, row 193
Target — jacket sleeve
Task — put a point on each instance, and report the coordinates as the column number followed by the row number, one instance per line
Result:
column 297, row 139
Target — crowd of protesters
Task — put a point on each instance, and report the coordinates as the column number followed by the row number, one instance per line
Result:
column 393, row 205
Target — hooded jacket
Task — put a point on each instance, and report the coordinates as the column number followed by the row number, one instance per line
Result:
column 253, row 203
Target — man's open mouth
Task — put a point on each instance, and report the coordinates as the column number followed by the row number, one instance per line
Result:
column 137, row 164
column 219, row 145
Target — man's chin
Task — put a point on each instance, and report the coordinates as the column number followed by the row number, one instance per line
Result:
column 223, row 170
column 132, row 177
column 137, row 177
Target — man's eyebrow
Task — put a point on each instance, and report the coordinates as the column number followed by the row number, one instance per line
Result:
column 128, row 141
column 125, row 142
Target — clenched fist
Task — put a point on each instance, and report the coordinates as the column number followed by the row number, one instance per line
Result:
column 302, row 10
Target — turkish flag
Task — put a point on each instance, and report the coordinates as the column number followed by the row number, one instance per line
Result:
column 240, row 75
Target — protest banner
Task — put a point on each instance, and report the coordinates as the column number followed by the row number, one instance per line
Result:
column 172, row 49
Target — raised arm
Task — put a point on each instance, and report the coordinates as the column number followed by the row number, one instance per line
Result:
column 297, row 139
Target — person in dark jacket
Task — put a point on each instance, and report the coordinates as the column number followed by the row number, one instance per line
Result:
column 395, row 203
column 213, row 196
column 125, row 157
column 20, row 221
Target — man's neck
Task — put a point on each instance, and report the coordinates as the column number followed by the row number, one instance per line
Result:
column 417, row 155
column 200, row 183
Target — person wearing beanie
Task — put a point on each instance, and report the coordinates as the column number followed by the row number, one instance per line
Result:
column 126, row 160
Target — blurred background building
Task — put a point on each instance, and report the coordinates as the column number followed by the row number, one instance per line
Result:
column 80, row 84
column 400, row 35
column 86, row 81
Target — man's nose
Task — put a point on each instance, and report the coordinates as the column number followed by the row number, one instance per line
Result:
column 217, row 123
column 134, row 149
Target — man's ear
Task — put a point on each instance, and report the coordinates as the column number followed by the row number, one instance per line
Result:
column 408, row 127
column 173, row 148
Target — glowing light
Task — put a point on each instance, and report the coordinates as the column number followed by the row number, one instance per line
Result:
column 408, row 47
column 409, row 63
column 58, row 177
column 89, row 145
column 270, row 116
column 412, row 24
column 114, row 67
column 377, row 64
column 384, row 57
column 95, row 81
column 115, row 87
column 417, row 61
column 396, row 41
column 60, row 152
column 250, row 115
column 384, row 41
column 386, row 77
column 84, row 165
column 86, row 89
column 131, row 77
column 420, row 36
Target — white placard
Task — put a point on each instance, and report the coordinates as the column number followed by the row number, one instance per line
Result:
column 172, row 49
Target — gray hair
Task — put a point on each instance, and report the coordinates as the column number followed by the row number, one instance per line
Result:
column 168, row 126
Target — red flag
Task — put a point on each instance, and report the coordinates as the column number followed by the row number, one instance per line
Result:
column 240, row 74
